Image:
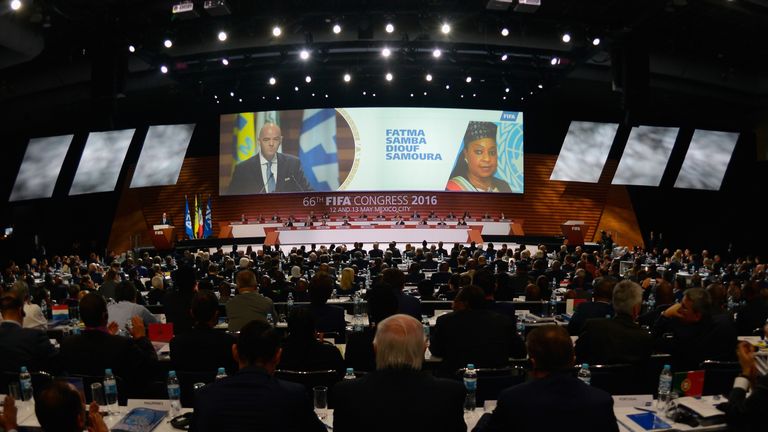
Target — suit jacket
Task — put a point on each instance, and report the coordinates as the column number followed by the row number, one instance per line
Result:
column 557, row 402
column 399, row 399
column 712, row 338
column 481, row 337
column 409, row 305
column 247, row 177
column 359, row 353
column 329, row 318
column 246, row 307
column 176, row 306
column 748, row 413
column 752, row 316
column 585, row 311
column 203, row 349
column 253, row 400
column 613, row 341
column 24, row 347
column 310, row 355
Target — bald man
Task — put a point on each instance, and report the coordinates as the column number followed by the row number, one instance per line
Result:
column 269, row 171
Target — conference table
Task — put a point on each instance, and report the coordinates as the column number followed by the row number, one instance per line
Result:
column 371, row 233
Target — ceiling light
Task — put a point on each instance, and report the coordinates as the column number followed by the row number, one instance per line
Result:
column 326, row 95
column 222, row 36
column 504, row 57
column 541, row 86
column 445, row 28
column 277, row 97
column 437, row 53
column 347, row 77
column 272, row 81
column 131, row 48
column 428, row 77
column 388, row 76
column 596, row 41
column 555, row 61
column 389, row 28
column 304, row 54
column 447, row 87
column 277, row 31
column 411, row 94
column 16, row 5
column 164, row 69
column 336, row 29
column 308, row 79
column 566, row 37
column 506, row 90
column 167, row 43
column 425, row 93
column 386, row 52
column 240, row 100
column 231, row 94
column 468, row 79
column 296, row 88
column 225, row 62
column 505, row 32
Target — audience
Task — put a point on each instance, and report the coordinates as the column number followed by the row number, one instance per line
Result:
column 301, row 349
column 176, row 303
column 599, row 307
column 407, row 304
column 59, row 408
column 126, row 308
column 414, row 400
column 33, row 315
column 745, row 409
column 359, row 354
column 248, row 304
column 21, row 346
column 327, row 318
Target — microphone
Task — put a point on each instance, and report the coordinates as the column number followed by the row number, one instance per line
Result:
column 301, row 189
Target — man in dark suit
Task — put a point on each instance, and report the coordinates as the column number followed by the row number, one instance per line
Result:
column 420, row 401
column 203, row 348
column 97, row 348
column 20, row 346
column 747, row 413
column 375, row 252
column 165, row 219
column 269, row 171
column 327, row 318
column 619, row 339
column 248, row 304
column 599, row 307
column 407, row 304
column 473, row 334
column 252, row 399
column 554, row 400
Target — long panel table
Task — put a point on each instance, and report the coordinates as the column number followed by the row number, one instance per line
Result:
column 372, row 233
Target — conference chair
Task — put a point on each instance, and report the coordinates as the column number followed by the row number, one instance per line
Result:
column 311, row 379
column 719, row 376
column 616, row 379
column 187, row 381
column 649, row 380
column 491, row 381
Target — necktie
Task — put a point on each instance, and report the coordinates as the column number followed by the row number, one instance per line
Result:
column 270, row 178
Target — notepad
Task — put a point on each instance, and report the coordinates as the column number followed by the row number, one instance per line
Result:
column 140, row 420
column 649, row 421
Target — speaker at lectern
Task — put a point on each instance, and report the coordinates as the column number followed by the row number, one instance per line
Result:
column 574, row 232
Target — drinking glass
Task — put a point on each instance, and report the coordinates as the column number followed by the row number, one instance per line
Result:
column 14, row 391
column 97, row 394
column 321, row 401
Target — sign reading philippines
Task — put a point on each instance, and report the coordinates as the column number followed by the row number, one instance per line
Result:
column 371, row 149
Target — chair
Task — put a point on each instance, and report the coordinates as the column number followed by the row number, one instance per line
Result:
column 311, row 379
column 187, row 381
column 719, row 376
column 649, row 381
column 616, row 379
column 491, row 381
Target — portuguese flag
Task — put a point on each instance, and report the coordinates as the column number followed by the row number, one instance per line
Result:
column 689, row 383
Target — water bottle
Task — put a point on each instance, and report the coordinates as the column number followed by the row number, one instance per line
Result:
column 289, row 304
column 553, row 304
column 44, row 309
column 110, row 387
column 270, row 320
column 521, row 328
column 222, row 373
column 470, row 383
column 584, row 374
column 357, row 320
column 651, row 301
column 665, row 386
column 425, row 325
column 350, row 375
column 25, row 379
column 174, row 393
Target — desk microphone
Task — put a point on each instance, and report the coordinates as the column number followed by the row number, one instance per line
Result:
column 301, row 189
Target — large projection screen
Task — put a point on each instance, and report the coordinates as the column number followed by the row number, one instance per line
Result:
column 584, row 152
column 162, row 155
column 101, row 161
column 645, row 156
column 371, row 149
column 707, row 159
column 40, row 167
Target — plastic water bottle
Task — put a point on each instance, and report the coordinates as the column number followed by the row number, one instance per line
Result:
column 289, row 304
column 350, row 375
column 470, row 383
column 553, row 304
column 651, row 301
column 222, row 373
column 520, row 327
column 25, row 379
column 110, row 387
column 665, row 385
column 270, row 320
column 174, row 393
column 584, row 374
column 425, row 325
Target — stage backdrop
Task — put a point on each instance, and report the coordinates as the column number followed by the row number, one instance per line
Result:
column 543, row 207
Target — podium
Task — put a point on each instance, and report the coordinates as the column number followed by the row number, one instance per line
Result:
column 162, row 237
column 574, row 232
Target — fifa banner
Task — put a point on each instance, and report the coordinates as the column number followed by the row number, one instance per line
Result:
column 371, row 149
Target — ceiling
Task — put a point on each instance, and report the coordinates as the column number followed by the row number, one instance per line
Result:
column 59, row 57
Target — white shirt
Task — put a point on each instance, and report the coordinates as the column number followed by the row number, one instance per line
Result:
column 122, row 312
column 34, row 317
column 264, row 174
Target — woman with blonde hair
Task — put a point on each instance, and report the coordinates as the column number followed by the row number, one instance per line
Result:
column 347, row 280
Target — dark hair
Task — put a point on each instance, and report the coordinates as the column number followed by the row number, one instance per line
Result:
column 382, row 303
column 57, row 407
column 719, row 295
column 125, row 291
column 320, row 288
column 10, row 302
column 394, row 278
column 301, row 324
column 93, row 310
column 426, row 288
column 475, row 130
column 184, row 279
column 472, row 296
column 485, row 280
column 204, row 306
column 258, row 342
column 604, row 288
column 551, row 348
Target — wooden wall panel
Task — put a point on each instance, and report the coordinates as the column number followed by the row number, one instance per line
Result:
column 544, row 206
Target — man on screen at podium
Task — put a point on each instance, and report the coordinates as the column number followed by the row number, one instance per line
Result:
column 269, row 171
column 166, row 220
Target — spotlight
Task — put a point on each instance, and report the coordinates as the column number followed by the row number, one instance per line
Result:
column 16, row 5
column 215, row 96
column 222, row 36
column 555, row 61
column 326, row 95
column 272, row 81
column 437, row 53
column 308, row 79
column 425, row 93
column 277, row 31
column 164, row 69
column 388, row 76
column 428, row 77
column 296, row 88
column 225, row 62
column 386, row 52
column 411, row 94
column 131, row 48
column 240, row 99
column 469, row 79
column 277, row 97
column 336, row 29
column 596, row 41
column 541, row 86
column 304, row 54
column 231, row 94
column 445, row 28
column 447, row 87
column 505, row 32
column 389, row 28
column 504, row 57
column 167, row 43
column 506, row 90
column 566, row 37
column 347, row 77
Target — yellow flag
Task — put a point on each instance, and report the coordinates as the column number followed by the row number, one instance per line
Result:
column 245, row 137
column 197, row 220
